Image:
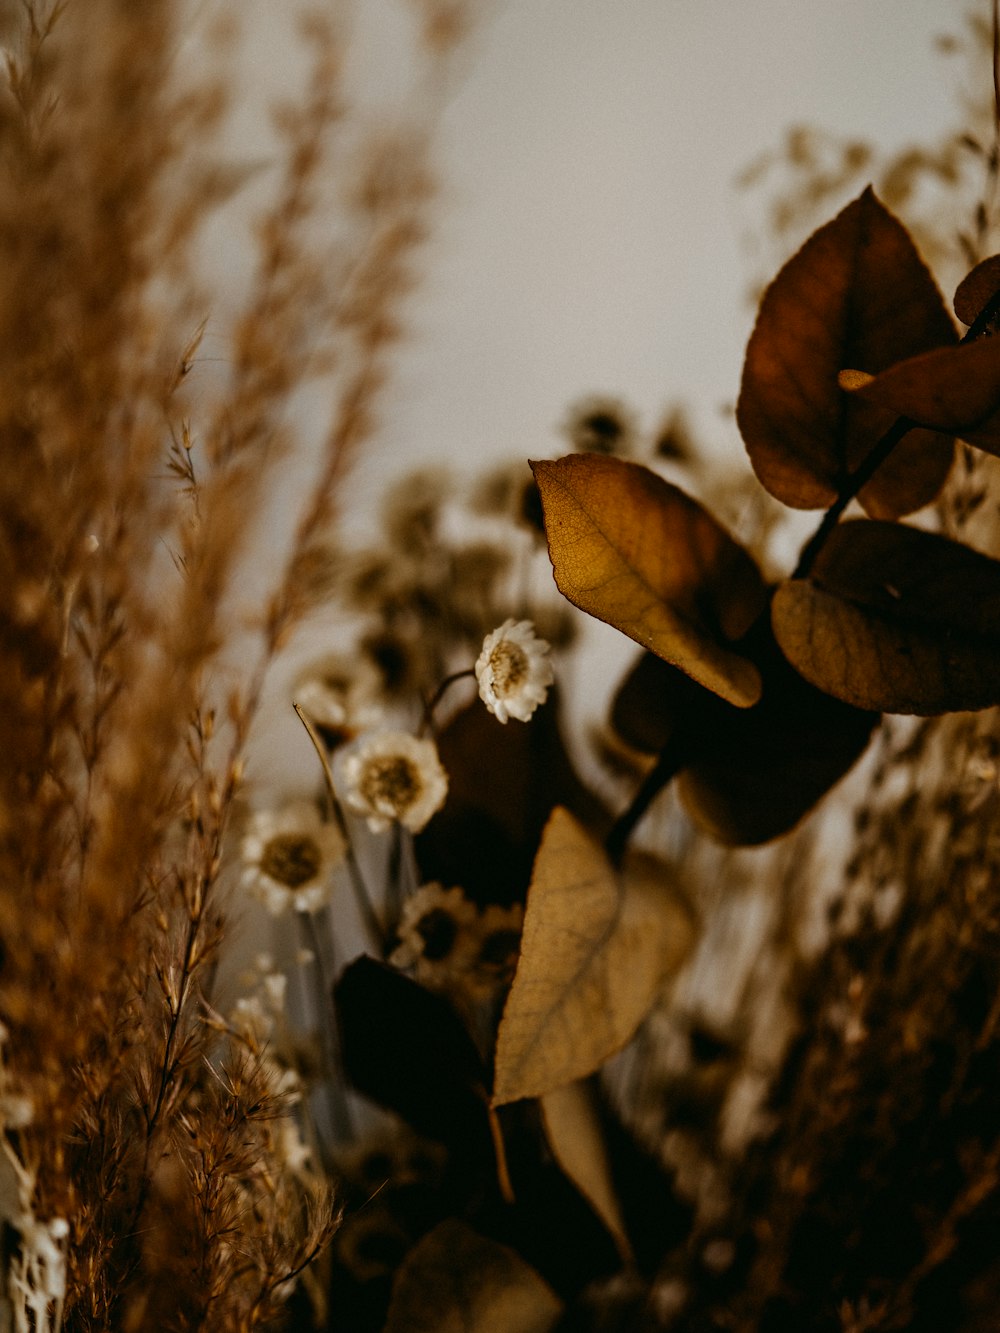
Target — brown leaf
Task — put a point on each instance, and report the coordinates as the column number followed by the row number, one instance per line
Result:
column 650, row 703
column 856, row 294
column 573, row 1129
column 456, row 1281
column 753, row 773
column 636, row 552
column 595, row 953
column 759, row 772
column 976, row 289
column 895, row 619
column 486, row 835
column 955, row 389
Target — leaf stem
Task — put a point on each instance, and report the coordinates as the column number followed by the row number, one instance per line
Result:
column 854, row 482
column 432, row 703
column 671, row 760
column 880, row 451
column 340, row 1125
column 500, row 1153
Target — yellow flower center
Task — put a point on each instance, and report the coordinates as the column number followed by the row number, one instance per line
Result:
column 509, row 664
column 291, row 859
column 390, row 780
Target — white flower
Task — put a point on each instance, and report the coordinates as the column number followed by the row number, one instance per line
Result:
column 287, row 858
column 436, row 926
column 340, row 697
column 394, row 775
column 514, row 671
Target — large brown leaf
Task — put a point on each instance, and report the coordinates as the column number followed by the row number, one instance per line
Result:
column 638, row 553
column 895, row 619
column 856, row 295
column 753, row 773
column 956, row 389
column 760, row 772
column 596, row 950
column 456, row 1281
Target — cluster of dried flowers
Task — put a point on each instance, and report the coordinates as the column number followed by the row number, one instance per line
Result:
column 514, row 1062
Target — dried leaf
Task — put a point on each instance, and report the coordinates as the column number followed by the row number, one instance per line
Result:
column 976, row 289
column 595, row 953
column 487, row 833
column 573, row 1129
column 636, row 552
column 407, row 1049
column 754, row 773
column 456, row 1281
column 956, row 389
column 856, row 294
column 759, row 772
column 650, row 703
column 895, row 619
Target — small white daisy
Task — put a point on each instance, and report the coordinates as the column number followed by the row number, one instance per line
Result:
column 514, row 671
column 436, row 926
column 287, row 858
column 340, row 697
column 394, row 775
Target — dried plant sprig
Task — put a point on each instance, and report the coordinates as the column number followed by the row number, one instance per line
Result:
column 124, row 761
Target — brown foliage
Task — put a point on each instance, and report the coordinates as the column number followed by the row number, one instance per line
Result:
column 597, row 949
column 856, row 294
column 640, row 554
column 895, row 619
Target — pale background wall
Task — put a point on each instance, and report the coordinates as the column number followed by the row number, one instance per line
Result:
column 589, row 236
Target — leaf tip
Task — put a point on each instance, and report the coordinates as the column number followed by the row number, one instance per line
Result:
column 852, row 380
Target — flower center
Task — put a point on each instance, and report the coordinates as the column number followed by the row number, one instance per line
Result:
column 291, row 859
column 509, row 664
column 438, row 929
column 392, row 780
column 499, row 948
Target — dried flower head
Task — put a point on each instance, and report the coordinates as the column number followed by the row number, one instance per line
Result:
column 600, row 424
column 436, row 927
column 510, row 492
column 499, row 933
column 514, row 671
column 395, row 776
column 287, row 858
column 412, row 509
column 339, row 695
column 452, row 945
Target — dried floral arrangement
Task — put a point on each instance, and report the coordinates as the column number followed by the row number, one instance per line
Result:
column 540, row 1044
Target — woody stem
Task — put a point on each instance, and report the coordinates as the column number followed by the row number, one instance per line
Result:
column 671, row 760
column 862, row 475
column 365, row 907
column 438, row 695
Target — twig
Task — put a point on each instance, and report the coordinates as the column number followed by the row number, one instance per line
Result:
column 672, row 759
column 367, row 910
column 432, row 703
column 862, row 474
